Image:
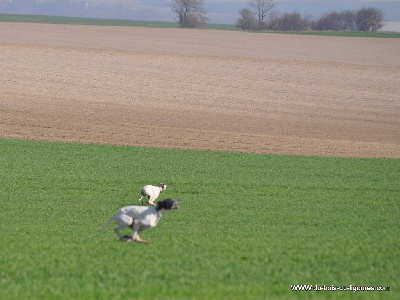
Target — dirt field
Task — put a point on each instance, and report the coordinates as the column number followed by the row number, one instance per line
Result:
column 201, row 89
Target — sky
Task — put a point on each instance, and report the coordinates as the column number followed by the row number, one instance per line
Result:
column 218, row 11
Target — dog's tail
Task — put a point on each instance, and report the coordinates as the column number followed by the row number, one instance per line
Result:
column 106, row 224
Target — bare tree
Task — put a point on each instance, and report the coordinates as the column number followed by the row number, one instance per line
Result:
column 369, row 19
column 247, row 19
column 262, row 8
column 336, row 21
column 290, row 22
column 189, row 13
column 365, row 19
column 349, row 20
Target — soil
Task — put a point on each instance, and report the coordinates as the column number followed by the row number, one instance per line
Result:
column 201, row 89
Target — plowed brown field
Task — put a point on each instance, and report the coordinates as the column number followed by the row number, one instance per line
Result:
column 201, row 89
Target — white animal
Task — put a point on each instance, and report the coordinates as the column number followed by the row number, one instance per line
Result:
column 140, row 218
column 152, row 192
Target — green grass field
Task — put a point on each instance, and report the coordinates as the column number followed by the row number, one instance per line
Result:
column 249, row 227
column 163, row 24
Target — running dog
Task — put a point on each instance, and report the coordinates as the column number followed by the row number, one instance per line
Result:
column 140, row 218
column 152, row 192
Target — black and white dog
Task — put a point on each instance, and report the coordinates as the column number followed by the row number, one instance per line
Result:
column 152, row 192
column 140, row 218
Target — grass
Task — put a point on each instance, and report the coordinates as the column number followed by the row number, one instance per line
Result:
column 101, row 22
column 84, row 21
column 379, row 34
column 163, row 24
column 249, row 227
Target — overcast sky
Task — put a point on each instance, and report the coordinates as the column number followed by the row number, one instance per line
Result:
column 219, row 11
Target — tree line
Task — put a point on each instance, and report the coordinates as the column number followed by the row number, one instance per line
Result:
column 261, row 15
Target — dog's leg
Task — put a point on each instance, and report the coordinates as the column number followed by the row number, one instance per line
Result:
column 151, row 201
column 122, row 221
column 138, row 239
column 141, row 199
column 118, row 232
column 135, row 234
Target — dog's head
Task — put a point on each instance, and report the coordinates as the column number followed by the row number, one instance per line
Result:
column 168, row 204
column 162, row 186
